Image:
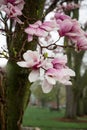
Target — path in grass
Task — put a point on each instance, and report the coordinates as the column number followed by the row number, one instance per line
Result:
column 45, row 119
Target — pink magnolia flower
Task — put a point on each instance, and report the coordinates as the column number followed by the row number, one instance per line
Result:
column 12, row 11
column 59, row 72
column 53, row 75
column 33, row 60
column 48, row 71
column 70, row 6
column 62, row 17
column 18, row 3
column 34, row 29
column 40, row 29
column 81, row 43
column 59, row 62
column 67, row 26
column 12, row 8
column 70, row 28
column 62, row 75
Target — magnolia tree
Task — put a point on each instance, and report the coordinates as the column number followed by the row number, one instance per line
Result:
column 29, row 41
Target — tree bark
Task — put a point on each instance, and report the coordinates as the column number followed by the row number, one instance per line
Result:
column 80, row 107
column 71, row 103
column 17, row 94
column 2, row 101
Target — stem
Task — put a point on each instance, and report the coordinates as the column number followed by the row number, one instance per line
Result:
column 54, row 46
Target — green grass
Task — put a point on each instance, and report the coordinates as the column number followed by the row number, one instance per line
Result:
column 44, row 118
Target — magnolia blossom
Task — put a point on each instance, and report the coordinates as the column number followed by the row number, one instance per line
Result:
column 70, row 28
column 12, row 11
column 59, row 72
column 18, row 3
column 81, row 43
column 48, row 71
column 40, row 29
column 12, row 8
column 33, row 60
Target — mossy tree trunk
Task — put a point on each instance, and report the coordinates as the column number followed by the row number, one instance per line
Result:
column 16, row 84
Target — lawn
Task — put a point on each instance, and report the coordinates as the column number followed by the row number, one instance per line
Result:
column 46, row 119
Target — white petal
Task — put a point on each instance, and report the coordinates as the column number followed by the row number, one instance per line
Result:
column 70, row 72
column 50, row 80
column 22, row 64
column 34, row 75
column 68, row 83
column 46, row 87
column 42, row 71
column 26, row 55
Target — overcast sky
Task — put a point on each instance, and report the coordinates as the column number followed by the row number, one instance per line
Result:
column 82, row 19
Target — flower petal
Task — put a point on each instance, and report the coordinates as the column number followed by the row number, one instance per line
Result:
column 50, row 80
column 34, row 75
column 46, row 87
column 22, row 64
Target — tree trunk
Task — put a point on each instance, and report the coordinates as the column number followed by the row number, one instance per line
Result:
column 85, row 105
column 80, row 107
column 17, row 95
column 2, row 101
column 85, row 102
column 71, row 103
column 16, row 83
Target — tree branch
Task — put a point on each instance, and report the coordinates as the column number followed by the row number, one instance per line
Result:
column 51, row 7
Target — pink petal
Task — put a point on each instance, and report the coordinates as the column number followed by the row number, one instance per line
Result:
column 36, row 24
column 61, row 16
column 30, row 31
column 65, row 27
column 49, row 26
column 60, row 60
column 19, row 4
column 41, row 33
column 30, row 38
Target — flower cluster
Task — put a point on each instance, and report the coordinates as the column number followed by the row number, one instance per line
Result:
column 47, row 70
column 12, row 8
column 50, row 69
column 70, row 28
column 40, row 29
column 67, row 7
